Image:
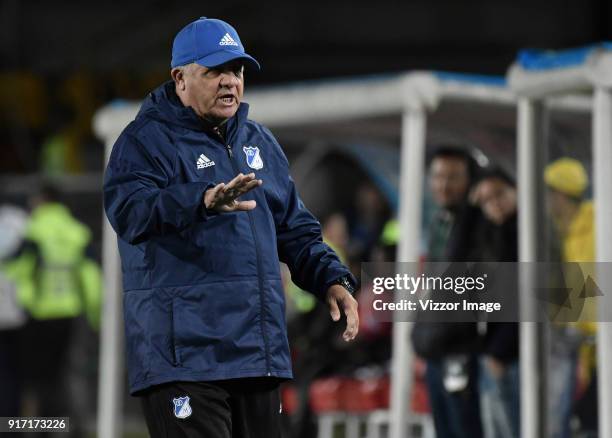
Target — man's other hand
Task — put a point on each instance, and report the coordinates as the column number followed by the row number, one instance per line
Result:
column 339, row 298
column 223, row 198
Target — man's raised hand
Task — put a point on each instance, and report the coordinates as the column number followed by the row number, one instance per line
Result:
column 223, row 197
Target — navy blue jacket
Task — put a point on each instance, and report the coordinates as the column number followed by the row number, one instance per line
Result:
column 203, row 297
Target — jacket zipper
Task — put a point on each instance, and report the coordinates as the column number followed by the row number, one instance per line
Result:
column 230, row 153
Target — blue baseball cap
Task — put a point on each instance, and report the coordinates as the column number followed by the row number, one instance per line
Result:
column 208, row 42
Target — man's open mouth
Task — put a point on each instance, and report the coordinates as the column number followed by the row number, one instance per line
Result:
column 227, row 99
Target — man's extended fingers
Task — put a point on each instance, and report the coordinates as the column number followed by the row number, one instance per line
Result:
column 245, row 205
column 352, row 318
column 245, row 181
column 211, row 196
column 223, row 197
column 234, row 181
column 333, row 308
column 217, row 189
column 251, row 185
column 238, row 184
column 239, row 180
column 242, row 187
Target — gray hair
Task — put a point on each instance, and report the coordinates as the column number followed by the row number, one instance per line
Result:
column 187, row 68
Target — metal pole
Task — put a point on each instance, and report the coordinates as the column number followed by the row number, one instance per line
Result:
column 528, row 181
column 110, row 391
column 410, row 205
column 602, row 164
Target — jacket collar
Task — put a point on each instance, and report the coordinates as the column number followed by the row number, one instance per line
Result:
column 164, row 105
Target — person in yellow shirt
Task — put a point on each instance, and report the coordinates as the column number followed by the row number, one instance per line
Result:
column 55, row 283
column 567, row 180
column 573, row 219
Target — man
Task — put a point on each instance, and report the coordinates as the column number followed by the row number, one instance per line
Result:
column 56, row 283
column 450, row 348
column 567, row 181
column 495, row 194
column 573, row 219
column 204, row 208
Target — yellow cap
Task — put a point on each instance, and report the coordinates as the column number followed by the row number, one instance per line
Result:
column 566, row 175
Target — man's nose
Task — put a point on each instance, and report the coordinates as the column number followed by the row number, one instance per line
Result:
column 228, row 79
column 445, row 184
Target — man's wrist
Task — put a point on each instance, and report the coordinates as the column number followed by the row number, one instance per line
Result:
column 206, row 211
column 204, row 198
column 347, row 283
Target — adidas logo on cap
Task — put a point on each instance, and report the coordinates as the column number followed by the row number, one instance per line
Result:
column 204, row 162
column 227, row 40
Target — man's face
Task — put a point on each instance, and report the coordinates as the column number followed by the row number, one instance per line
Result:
column 497, row 199
column 214, row 93
column 556, row 203
column 448, row 180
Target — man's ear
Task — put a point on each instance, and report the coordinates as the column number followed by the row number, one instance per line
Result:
column 178, row 76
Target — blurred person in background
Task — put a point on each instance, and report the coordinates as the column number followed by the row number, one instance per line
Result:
column 201, row 238
column 495, row 193
column 59, row 151
column 313, row 336
column 56, row 283
column 13, row 221
column 451, row 348
column 366, row 221
column 335, row 235
column 572, row 343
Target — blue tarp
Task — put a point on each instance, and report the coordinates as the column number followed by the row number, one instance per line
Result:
column 535, row 59
column 496, row 81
